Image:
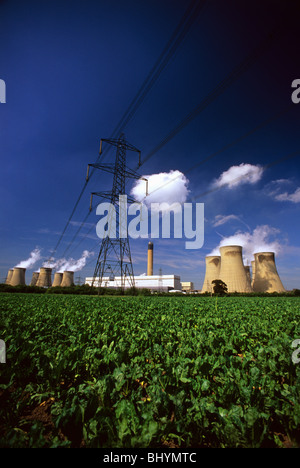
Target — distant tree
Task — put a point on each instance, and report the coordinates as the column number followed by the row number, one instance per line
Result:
column 219, row 287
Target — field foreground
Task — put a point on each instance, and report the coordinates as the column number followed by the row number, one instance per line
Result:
column 193, row 371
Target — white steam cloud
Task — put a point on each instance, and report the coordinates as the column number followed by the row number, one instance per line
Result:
column 165, row 187
column 70, row 264
column 260, row 240
column 35, row 256
column 237, row 175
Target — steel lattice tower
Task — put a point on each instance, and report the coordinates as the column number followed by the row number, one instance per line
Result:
column 114, row 257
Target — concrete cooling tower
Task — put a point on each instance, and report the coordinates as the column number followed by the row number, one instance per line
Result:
column 9, row 276
column 44, row 280
column 253, row 272
column 232, row 270
column 266, row 275
column 67, row 279
column 247, row 269
column 212, row 272
column 18, row 277
column 57, row 279
column 34, row 279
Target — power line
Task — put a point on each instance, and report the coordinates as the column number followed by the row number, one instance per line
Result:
column 172, row 45
column 292, row 155
column 229, row 145
column 266, row 166
column 218, row 90
column 211, row 156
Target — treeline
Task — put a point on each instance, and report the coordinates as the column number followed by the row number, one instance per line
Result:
column 294, row 292
column 85, row 289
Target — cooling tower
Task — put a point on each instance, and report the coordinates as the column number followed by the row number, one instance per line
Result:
column 247, row 269
column 67, row 278
column 34, row 279
column 44, row 279
column 57, row 279
column 232, row 270
column 9, row 276
column 150, row 260
column 253, row 272
column 266, row 275
column 212, row 272
column 18, row 277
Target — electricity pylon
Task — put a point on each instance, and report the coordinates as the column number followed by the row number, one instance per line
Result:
column 114, row 257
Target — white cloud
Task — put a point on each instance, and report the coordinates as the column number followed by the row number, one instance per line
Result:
column 220, row 219
column 165, row 187
column 275, row 190
column 292, row 197
column 238, row 175
column 262, row 239
column 223, row 219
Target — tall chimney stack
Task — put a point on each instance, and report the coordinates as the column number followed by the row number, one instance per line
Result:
column 150, row 260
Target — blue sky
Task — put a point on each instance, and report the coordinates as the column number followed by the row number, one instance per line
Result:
column 71, row 70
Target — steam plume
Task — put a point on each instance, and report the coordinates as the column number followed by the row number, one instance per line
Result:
column 35, row 256
column 71, row 264
column 257, row 241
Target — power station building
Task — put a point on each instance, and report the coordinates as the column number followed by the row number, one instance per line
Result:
column 163, row 283
column 160, row 283
column 229, row 268
column 187, row 286
column 266, row 275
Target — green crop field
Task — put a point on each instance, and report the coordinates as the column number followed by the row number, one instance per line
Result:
column 86, row 371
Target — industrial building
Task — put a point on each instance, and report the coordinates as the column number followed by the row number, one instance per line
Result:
column 232, row 270
column 266, row 275
column 229, row 268
column 17, row 277
column 160, row 283
column 187, row 286
column 212, row 272
column 34, row 279
column 163, row 283
column 57, row 279
column 67, row 279
column 44, row 279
